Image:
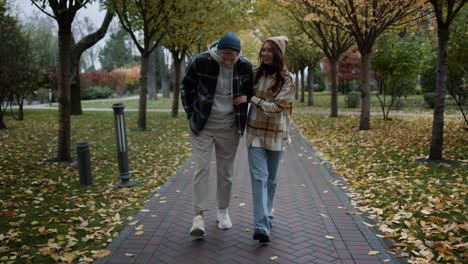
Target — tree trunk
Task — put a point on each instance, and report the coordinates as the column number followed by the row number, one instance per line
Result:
column 334, row 87
column 310, row 85
column 20, row 109
column 164, row 75
column 303, row 84
column 296, row 93
column 437, row 140
column 77, row 50
column 75, row 93
column 152, row 76
column 75, row 88
column 176, row 94
column 64, row 135
column 143, row 92
column 160, row 65
column 20, row 103
column 365, row 89
column 2, row 123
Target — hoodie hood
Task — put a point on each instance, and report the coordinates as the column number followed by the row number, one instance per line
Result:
column 213, row 50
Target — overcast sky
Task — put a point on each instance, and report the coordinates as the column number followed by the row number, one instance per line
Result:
column 25, row 9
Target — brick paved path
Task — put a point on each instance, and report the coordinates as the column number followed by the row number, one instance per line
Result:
column 298, row 235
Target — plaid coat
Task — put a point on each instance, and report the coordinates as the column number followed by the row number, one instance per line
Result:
column 270, row 113
column 199, row 87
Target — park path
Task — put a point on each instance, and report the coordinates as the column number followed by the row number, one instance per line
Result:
column 46, row 106
column 308, row 207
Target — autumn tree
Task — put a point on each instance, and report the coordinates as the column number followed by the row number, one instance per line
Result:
column 194, row 18
column 305, row 54
column 332, row 40
column 458, row 62
column 348, row 69
column 365, row 21
column 301, row 52
column 445, row 12
column 44, row 41
column 117, row 51
column 64, row 12
column 398, row 61
column 10, row 37
column 28, row 71
column 77, row 49
column 150, row 18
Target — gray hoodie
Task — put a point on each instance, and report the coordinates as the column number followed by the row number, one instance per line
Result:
column 222, row 112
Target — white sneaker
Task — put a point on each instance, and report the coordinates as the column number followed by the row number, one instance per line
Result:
column 224, row 222
column 198, row 227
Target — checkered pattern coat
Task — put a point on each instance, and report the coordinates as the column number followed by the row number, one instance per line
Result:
column 269, row 114
column 199, row 87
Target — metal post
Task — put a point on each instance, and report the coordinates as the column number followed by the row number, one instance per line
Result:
column 122, row 146
column 50, row 96
column 84, row 163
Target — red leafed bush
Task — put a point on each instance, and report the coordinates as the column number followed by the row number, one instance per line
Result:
column 118, row 79
column 115, row 80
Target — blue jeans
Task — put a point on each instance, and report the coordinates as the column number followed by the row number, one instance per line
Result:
column 264, row 169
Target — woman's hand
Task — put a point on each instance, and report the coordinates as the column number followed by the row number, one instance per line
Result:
column 240, row 100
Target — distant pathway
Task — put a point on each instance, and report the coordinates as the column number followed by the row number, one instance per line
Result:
column 46, row 106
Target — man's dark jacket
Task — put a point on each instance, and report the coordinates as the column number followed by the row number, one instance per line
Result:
column 199, row 87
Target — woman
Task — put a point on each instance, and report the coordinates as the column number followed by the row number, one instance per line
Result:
column 268, row 130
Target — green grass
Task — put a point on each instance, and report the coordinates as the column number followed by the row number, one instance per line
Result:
column 43, row 208
column 412, row 104
column 423, row 202
column 160, row 103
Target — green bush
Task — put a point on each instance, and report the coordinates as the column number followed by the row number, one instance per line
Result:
column 428, row 80
column 96, row 92
column 456, row 87
column 133, row 89
column 429, row 98
column 353, row 99
column 319, row 85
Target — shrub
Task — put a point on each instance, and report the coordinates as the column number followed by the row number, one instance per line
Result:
column 456, row 87
column 132, row 79
column 429, row 98
column 353, row 99
column 116, row 80
column 428, row 80
column 96, row 92
column 319, row 85
column 398, row 104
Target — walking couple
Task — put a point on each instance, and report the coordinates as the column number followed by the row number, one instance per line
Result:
column 216, row 90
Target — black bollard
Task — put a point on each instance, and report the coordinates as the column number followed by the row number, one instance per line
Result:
column 84, row 163
column 122, row 146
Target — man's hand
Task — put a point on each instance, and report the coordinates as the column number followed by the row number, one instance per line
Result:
column 239, row 100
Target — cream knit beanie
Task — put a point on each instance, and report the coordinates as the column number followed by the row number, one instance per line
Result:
column 281, row 42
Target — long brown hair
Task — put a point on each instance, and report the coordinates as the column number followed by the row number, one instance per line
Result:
column 278, row 66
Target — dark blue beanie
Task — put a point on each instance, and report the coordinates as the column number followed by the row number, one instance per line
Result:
column 229, row 41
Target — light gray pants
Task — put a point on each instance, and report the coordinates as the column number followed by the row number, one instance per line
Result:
column 225, row 141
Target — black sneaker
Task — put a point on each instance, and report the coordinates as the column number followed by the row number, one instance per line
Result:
column 261, row 236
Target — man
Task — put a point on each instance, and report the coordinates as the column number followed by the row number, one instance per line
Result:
column 215, row 91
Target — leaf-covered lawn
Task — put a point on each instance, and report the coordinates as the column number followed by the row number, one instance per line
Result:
column 46, row 216
column 420, row 204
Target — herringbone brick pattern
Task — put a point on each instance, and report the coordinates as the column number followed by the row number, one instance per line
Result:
column 306, row 210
